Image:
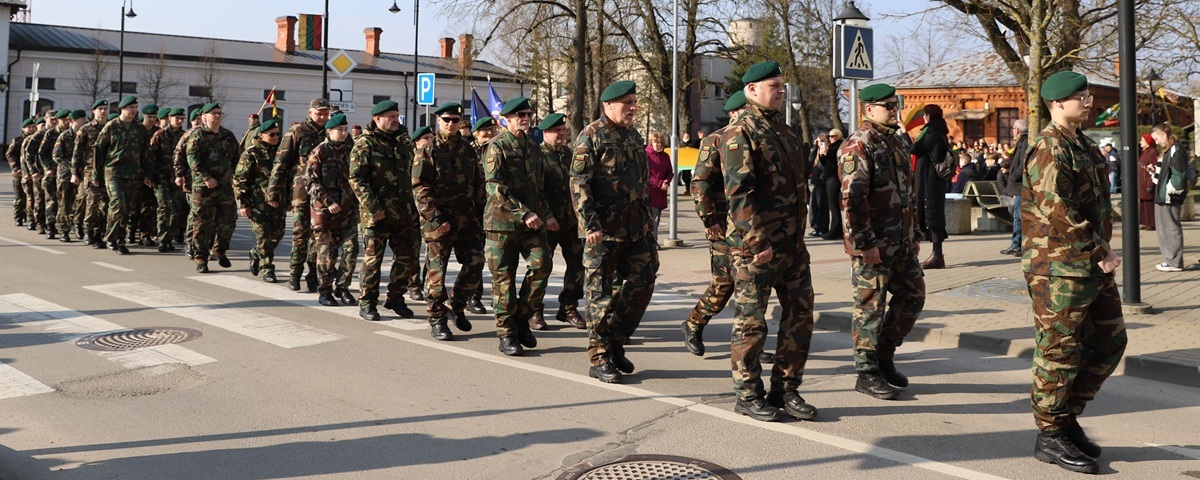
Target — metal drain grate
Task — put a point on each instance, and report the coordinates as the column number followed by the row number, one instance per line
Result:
column 137, row 338
column 647, row 467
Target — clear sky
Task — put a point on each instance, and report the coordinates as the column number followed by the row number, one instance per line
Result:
column 254, row 20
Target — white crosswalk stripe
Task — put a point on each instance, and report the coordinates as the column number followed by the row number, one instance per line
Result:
column 14, row 383
column 281, row 293
column 259, row 326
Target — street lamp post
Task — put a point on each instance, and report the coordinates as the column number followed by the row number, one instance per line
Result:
column 325, row 53
column 1150, row 79
column 416, row 25
column 852, row 16
column 673, row 240
column 121, row 54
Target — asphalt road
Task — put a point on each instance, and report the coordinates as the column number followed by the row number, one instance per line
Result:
column 278, row 387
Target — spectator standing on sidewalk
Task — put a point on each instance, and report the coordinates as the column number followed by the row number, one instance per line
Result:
column 1171, row 180
column 930, row 149
column 1010, row 183
column 1114, row 166
column 818, row 203
column 833, row 185
column 1146, row 162
column 659, row 163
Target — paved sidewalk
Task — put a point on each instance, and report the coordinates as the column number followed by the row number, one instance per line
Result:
column 980, row 302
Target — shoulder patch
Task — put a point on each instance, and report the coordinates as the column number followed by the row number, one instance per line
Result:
column 733, row 146
column 848, row 164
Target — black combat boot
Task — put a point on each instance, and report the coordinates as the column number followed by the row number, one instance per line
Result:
column 65, row 237
column 254, row 263
column 202, row 266
column 78, row 230
column 343, row 295
column 617, row 350
column 311, row 277
column 294, row 282
column 164, row 247
column 269, row 277
column 792, row 404
column 1075, row 432
column 571, row 316
column 399, row 306
column 510, row 346
column 693, row 337
column 52, row 232
column 887, row 370
column 1056, row 448
column 605, row 371
column 475, row 303
column 766, row 357
column 873, row 384
column 327, row 300
column 537, row 321
column 223, row 260
column 756, row 408
column 367, row 311
column 440, row 331
column 460, row 319
column 416, row 295
column 525, row 333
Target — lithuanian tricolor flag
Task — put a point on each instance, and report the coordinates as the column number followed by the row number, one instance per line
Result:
column 309, row 36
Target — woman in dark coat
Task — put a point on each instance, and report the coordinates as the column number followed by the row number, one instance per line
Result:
column 929, row 148
column 1146, row 162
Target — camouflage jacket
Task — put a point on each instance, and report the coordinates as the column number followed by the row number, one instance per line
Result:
column 162, row 153
column 121, row 149
column 447, row 183
column 878, row 202
column 253, row 173
column 212, row 155
column 610, row 182
column 179, row 156
column 29, row 153
column 13, row 153
column 1066, row 211
column 328, row 179
column 84, row 161
column 556, row 186
column 708, row 182
column 46, row 150
column 514, row 178
column 251, row 134
column 64, row 148
column 764, row 183
column 290, row 159
column 379, row 175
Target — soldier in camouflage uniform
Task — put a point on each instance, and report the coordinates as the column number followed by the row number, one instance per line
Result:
column 334, row 212
column 556, row 188
column 1069, row 264
column 516, row 218
column 448, row 189
column 380, row 174
column 708, row 191
column 64, row 147
column 84, row 165
column 183, row 180
column 416, row 283
column 764, row 184
column 878, row 216
column 482, row 132
column 250, row 187
column 172, row 207
column 50, row 171
column 122, row 164
column 143, row 221
column 610, row 191
column 251, row 131
column 212, row 154
column 31, row 165
column 287, row 179
column 13, row 154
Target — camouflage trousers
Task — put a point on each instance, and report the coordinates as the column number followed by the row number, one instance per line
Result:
column 468, row 250
column 336, row 251
column 1080, row 339
column 791, row 278
column 720, row 288
column 879, row 324
column 67, row 196
column 567, row 238
column 267, row 224
column 19, row 208
column 50, row 202
column 416, row 282
column 504, row 251
column 122, row 199
column 143, row 219
column 172, row 212
column 302, row 234
column 95, row 215
column 620, row 283
column 405, row 242
column 214, row 221
column 33, row 194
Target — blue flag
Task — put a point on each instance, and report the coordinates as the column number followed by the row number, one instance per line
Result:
column 496, row 103
column 478, row 108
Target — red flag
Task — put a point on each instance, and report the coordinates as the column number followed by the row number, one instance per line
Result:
column 271, row 102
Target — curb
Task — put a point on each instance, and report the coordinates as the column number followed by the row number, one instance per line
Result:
column 1140, row 366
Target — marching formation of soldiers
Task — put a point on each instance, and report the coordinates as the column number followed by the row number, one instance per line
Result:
column 492, row 195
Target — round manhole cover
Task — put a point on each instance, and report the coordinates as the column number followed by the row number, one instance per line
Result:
column 651, row 467
column 137, row 338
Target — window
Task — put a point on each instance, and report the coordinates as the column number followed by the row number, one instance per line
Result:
column 383, row 98
column 130, row 87
column 1004, row 121
column 280, row 95
column 42, row 105
column 43, row 83
column 972, row 130
column 199, row 91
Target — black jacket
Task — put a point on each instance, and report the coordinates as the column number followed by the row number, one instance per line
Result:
column 1012, row 187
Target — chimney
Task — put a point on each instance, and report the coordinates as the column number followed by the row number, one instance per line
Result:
column 373, row 35
column 285, row 37
column 466, row 42
column 446, row 47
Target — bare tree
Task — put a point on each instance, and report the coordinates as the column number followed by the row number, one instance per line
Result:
column 211, row 77
column 93, row 80
column 157, row 81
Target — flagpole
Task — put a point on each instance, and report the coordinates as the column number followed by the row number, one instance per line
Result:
column 269, row 95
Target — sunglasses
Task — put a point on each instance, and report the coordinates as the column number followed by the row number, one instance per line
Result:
column 451, row 119
column 273, row 134
column 887, row 105
column 524, row 114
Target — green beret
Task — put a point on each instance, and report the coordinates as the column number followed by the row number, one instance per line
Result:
column 77, row 114
column 762, row 71
column 163, row 112
column 421, row 132
column 111, row 116
column 514, row 105
column 336, row 120
column 552, row 120
column 485, row 122
column 1062, row 84
column 27, row 122
column 99, row 103
column 62, row 113
column 268, row 125
column 208, row 107
column 449, row 108
column 618, row 90
column 192, row 116
column 150, row 109
column 876, row 92
column 736, row 101
column 127, row 101
column 384, row 107
column 175, row 112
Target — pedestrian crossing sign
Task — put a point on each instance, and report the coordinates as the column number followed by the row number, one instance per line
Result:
column 853, row 52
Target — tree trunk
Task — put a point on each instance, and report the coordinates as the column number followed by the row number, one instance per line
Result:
column 834, row 110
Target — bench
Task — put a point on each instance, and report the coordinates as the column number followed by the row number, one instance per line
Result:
column 986, row 194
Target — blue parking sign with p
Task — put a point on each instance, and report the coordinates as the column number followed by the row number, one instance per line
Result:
column 425, row 83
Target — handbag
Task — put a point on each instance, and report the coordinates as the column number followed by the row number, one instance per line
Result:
column 945, row 168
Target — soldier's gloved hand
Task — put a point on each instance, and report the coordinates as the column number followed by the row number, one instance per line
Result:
column 75, row 179
column 1110, row 263
column 335, row 208
column 552, row 224
column 595, row 237
column 871, row 256
column 210, row 182
column 764, row 256
column 378, row 215
column 716, row 232
column 533, row 221
column 245, row 212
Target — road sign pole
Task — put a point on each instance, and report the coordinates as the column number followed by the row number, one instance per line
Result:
column 853, row 107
